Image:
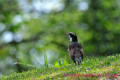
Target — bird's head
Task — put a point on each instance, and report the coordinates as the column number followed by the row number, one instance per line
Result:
column 72, row 37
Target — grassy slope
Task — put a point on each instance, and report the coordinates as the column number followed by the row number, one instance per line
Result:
column 91, row 68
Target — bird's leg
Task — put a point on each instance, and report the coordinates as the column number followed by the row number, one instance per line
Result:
column 73, row 58
column 74, row 61
column 78, row 60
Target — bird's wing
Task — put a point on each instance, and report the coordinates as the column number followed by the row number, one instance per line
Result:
column 70, row 51
column 78, row 52
column 75, row 49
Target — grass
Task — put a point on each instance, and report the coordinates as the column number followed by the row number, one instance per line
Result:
column 92, row 68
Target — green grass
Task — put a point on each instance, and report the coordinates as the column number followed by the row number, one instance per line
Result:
column 92, row 68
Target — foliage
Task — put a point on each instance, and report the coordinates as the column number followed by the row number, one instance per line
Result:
column 39, row 38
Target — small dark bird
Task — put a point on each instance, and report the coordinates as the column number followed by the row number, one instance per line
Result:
column 75, row 49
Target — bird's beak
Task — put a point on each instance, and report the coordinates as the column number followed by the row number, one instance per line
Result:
column 67, row 33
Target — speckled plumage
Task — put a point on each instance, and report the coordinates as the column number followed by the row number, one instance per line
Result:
column 75, row 49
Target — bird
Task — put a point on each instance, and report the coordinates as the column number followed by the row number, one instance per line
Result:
column 75, row 49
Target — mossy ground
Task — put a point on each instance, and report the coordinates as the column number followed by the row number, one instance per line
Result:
column 92, row 68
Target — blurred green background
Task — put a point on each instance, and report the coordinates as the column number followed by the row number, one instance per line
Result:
column 30, row 29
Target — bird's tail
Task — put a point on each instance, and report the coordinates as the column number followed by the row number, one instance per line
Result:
column 78, row 60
